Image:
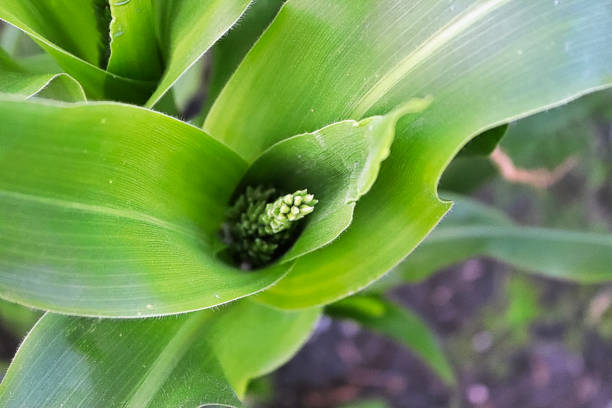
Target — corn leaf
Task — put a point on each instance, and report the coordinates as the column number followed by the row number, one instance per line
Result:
column 169, row 362
column 146, row 45
column 466, row 232
column 18, row 80
column 231, row 49
column 134, row 51
column 484, row 62
column 114, row 210
column 76, row 35
column 338, row 164
column 186, row 29
column 399, row 324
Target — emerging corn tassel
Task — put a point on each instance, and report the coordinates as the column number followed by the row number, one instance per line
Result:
column 257, row 228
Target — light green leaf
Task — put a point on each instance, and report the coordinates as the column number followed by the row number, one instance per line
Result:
column 70, row 33
column 169, row 362
column 68, row 361
column 468, row 232
column 231, row 49
column 114, row 210
column 338, row 164
column 16, row 79
column 400, row 324
column 134, row 51
column 182, row 30
column 251, row 340
column 78, row 30
column 186, row 29
column 484, row 62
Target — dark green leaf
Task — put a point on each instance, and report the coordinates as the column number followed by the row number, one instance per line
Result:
column 472, row 229
column 484, row 143
column 378, row 314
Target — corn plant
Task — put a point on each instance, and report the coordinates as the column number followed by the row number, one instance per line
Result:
column 177, row 260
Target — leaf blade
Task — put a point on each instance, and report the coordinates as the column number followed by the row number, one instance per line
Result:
column 466, row 233
column 16, row 79
column 80, row 55
column 172, row 361
column 133, row 48
column 119, row 216
column 402, row 325
column 509, row 47
column 338, row 163
column 186, row 29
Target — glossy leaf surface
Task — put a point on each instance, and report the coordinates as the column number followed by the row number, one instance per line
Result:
column 399, row 324
column 119, row 216
column 172, row 361
column 329, row 65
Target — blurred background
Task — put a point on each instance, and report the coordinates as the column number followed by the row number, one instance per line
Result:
column 512, row 338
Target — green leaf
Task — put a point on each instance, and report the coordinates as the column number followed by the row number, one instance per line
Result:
column 78, row 30
column 16, row 79
column 251, row 340
column 186, row 29
column 181, row 29
column 69, row 32
column 133, row 48
column 465, row 174
column 114, row 210
column 484, row 62
column 168, row 362
column 231, row 49
column 472, row 229
column 400, row 324
column 338, row 164
column 485, row 143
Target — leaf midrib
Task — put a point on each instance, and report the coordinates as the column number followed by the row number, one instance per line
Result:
column 102, row 210
column 455, row 233
column 439, row 39
column 167, row 360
